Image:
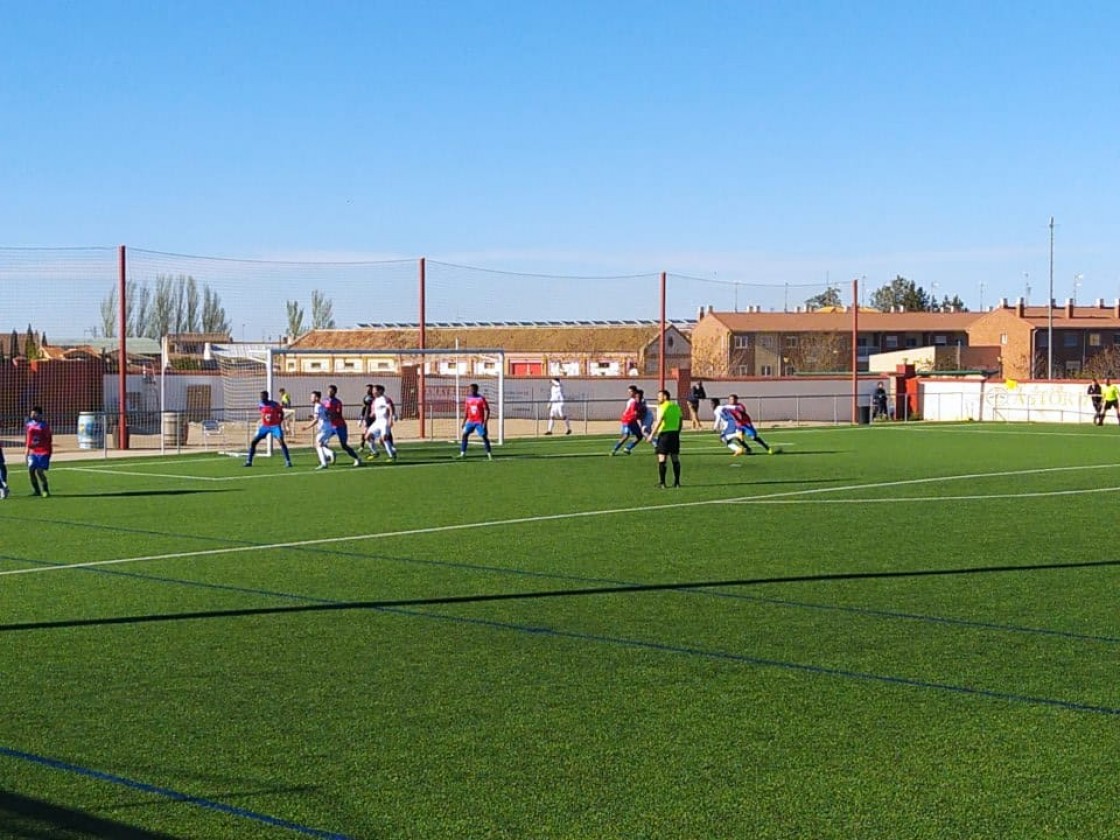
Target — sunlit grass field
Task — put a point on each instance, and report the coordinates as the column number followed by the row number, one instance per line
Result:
column 889, row 631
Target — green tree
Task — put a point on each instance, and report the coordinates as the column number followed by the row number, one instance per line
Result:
column 901, row 292
column 295, row 319
column 322, row 314
column 948, row 305
column 829, row 297
column 30, row 347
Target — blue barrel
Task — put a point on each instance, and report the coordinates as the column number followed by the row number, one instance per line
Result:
column 91, row 431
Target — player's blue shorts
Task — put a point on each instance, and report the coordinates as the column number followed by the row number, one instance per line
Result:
column 325, row 435
column 39, row 462
column 632, row 428
column 275, row 431
column 748, row 431
column 478, row 428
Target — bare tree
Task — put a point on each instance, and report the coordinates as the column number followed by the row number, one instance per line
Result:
column 820, row 352
column 213, row 313
column 138, row 307
column 161, row 318
column 708, row 358
column 109, row 315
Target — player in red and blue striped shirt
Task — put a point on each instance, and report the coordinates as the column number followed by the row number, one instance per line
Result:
column 39, row 446
column 476, row 414
column 272, row 424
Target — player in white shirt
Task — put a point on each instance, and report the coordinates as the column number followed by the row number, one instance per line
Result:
column 728, row 431
column 383, row 413
column 556, row 407
column 321, row 422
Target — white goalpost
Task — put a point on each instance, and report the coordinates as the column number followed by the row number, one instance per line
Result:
column 427, row 387
column 244, row 374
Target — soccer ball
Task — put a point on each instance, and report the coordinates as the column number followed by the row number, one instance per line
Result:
column 330, row 456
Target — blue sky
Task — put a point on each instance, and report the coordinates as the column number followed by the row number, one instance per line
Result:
column 774, row 143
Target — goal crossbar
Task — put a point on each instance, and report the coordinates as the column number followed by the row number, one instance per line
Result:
column 427, row 386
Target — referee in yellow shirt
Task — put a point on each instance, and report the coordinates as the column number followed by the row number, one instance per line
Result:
column 666, row 437
column 1111, row 395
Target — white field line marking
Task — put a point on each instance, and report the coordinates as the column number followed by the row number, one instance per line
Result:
column 110, row 471
column 906, row 482
column 903, row 499
column 987, row 428
column 555, row 517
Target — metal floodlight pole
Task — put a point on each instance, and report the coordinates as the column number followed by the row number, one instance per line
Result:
column 1050, row 311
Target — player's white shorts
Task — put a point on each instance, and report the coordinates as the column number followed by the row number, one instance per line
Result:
column 380, row 431
column 556, row 410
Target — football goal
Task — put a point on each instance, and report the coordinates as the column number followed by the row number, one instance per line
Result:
column 427, row 387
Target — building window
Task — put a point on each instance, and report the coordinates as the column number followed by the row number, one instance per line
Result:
column 1094, row 339
column 766, row 370
column 1003, row 338
column 941, row 340
column 1069, row 339
column 768, row 342
column 743, row 370
column 1116, row 338
column 1042, row 339
column 791, row 341
column 891, row 342
column 911, row 342
column 741, row 342
column 1073, row 367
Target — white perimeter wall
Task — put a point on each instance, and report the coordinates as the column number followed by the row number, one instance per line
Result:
column 807, row 400
column 1038, row 402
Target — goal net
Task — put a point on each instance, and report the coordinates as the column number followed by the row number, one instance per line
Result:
column 244, row 374
column 427, row 387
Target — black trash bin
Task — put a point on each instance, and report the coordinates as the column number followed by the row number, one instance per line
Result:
column 864, row 415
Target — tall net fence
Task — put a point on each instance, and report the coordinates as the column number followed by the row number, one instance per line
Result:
column 186, row 316
column 457, row 294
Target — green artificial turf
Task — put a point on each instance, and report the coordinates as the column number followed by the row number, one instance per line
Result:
column 889, row 631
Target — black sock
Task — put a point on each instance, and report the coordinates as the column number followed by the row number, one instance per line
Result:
column 676, row 471
column 661, row 471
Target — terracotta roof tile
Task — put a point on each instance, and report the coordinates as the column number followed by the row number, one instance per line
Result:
column 574, row 339
column 842, row 321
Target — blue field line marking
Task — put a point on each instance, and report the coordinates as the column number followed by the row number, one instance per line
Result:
column 168, row 793
column 930, row 619
column 727, row 656
column 718, row 655
column 784, row 602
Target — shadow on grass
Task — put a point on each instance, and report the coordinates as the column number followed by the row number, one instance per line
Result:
column 124, row 493
column 22, row 816
column 481, row 598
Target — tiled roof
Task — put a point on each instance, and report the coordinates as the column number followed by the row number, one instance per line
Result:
column 565, row 339
column 842, row 321
column 1084, row 317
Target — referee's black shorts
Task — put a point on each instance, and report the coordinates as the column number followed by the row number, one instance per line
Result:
column 669, row 443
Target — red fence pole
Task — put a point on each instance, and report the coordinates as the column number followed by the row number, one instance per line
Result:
column 661, row 341
column 855, row 351
column 122, row 375
column 420, row 399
